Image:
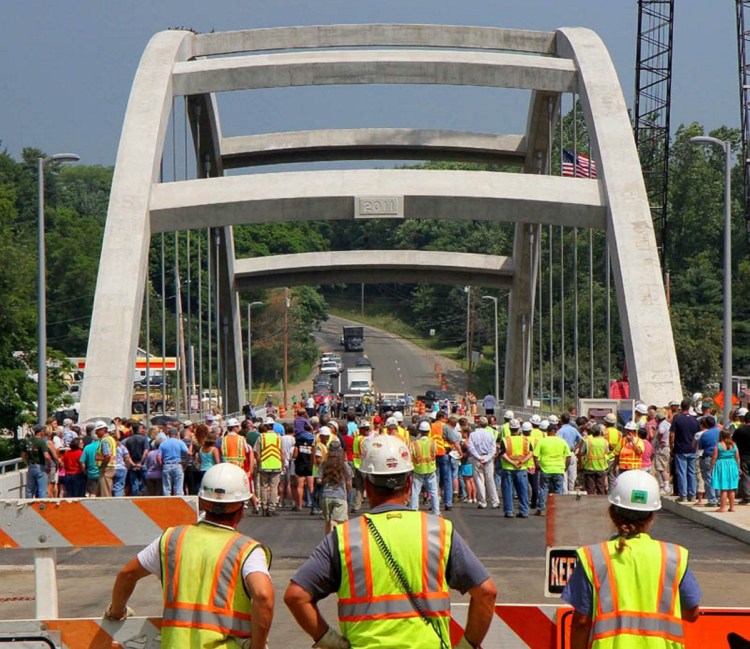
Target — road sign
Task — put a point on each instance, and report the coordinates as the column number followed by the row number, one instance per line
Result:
column 561, row 562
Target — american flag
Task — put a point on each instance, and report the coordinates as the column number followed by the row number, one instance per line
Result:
column 584, row 168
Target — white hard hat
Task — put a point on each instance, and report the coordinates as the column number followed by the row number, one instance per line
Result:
column 232, row 423
column 225, row 483
column 636, row 489
column 526, row 427
column 424, row 426
column 535, row 420
column 514, row 424
column 509, row 414
column 269, row 421
column 433, row 414
column 386, row 455
column 398, row 416
column 631, row 426
column 641, row 408
column 741, row 412
column 391, row 421
column 364, row 424
column 698, row 396
column 324, row 430
column 100, row 424
column 544, row 425
column 553, row 420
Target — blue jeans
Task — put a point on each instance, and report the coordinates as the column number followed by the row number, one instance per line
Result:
column 429, row 480
column 172, row 478
column 684, row 465
column 36, row 481
column 118, row 484
column 137, row 480
column 445, row 478
column 707, row 474
column 519, row 481
column 549, row 483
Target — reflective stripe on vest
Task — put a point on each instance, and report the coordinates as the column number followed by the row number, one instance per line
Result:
column 270, row 452
column 628, row 459
column 595, row 458
column 614, row 582
column 516, row 448
column 371, row 604
column 613, row 437
column 233, row 449
column 423, row 456
column 204, row 598
column 436, row 433
column 357, row 451
column 112, row 445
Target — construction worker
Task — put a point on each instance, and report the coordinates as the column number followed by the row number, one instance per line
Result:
column 358, row 482
column 630, row 449
column 613, row 437
column 505, row 427
column 423, row 458
column 403, row 432
column 516, row 451
column 444, row 437
column 204, row 604
column 552, row 457
column 392, row 570
column 234, row 447
column 632, row 591
column 268, row 451
column 594, row 461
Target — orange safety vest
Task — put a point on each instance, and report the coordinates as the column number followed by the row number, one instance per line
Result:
column 233, row 449
column 436, row 433
column 628, row 459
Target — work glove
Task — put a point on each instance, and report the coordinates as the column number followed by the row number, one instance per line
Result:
column 463, row 643
column 129, row 612
column 331, row 640
column 245, row 643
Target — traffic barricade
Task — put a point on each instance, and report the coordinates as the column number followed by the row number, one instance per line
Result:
column 45, row 526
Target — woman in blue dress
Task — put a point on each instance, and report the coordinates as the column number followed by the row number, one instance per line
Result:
column 725, row 465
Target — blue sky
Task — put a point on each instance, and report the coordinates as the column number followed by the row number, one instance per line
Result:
column 68, row 66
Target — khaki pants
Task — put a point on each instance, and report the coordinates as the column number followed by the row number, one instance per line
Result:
column 105, row 482
column 269, row 489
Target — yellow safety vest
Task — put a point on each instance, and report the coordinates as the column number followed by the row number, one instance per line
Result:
column 372, row 606
column 613, row 436
column 205, row 605
column 357, row 451
column 233, row 449
column 423, row 455
column 595, row 458
column 404, row 435
column 636, row 593
column 270, row 452
column 112, row 445
column 517, row 447
column 323, row 448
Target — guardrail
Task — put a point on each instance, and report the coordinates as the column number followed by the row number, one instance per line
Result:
column 10, row 465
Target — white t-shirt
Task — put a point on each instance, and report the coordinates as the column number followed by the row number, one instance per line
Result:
column 150, row 557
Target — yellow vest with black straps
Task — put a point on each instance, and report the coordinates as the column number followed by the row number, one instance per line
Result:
column 205, row 605
column 270, row 452
column 517, row 447
column 636, row 599
column 374, row 611
column 423, row 455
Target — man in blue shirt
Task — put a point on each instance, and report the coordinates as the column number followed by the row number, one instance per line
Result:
column 681, row 437
column 172, row 455
column 706, row 444
column 574, row 441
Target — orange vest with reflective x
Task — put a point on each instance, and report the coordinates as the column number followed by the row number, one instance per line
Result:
column 636, row 593
column 270, row 452
column 233, row 449
column 205, row 602
column 374, row 611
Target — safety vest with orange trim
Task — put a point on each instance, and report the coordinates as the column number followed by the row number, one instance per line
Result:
column 627, row 455
column 595, row 457
column 205, row 605
column 372, row 606
column 233, row 449
column 436, row 433
column 111, row 445
column 270, row 452
column 357, row 450
column 423, row 455
column 403, row 434
column 636, row 593
column 517, row 447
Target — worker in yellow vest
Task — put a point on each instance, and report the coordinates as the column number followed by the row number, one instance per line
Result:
column 423, row 458
column 629, row 450
column 390, row 570
column 268, row 451
column 505, row 426
column 613, row 436
column 594, row 461
column 403, row 431
column 358, row 481
column 632, row 591
column 516, row 451
column 206, row 605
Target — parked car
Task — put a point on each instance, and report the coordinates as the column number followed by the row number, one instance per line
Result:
column 330, row 367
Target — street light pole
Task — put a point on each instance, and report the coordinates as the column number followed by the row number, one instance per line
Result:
column 726, row 146
column 497, row 358
column 250, row 350
column 41, row 395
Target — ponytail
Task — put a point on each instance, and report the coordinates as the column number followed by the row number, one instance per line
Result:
column 629, row 523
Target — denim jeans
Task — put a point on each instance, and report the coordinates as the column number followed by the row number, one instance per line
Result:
column 172, row 478
column 549, row 483
column 137, row 480
column 707, row 473
column 519, row 481
column 429, row 480
column 118, row 484
column 36, row 481
column 684, row 465
column 445, row 478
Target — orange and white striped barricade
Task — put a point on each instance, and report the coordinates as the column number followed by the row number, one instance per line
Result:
column 514, row 625
column 45, row 525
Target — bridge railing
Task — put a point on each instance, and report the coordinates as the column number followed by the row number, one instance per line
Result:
column 6, row 466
